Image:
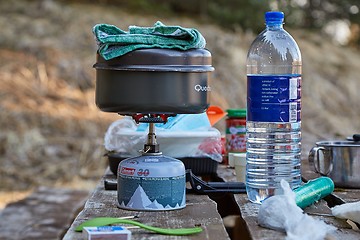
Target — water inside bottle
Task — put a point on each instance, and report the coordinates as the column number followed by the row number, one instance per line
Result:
column 273, row 153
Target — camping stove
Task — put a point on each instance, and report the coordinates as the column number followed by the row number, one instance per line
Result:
column 150, row 85
column 151, row 181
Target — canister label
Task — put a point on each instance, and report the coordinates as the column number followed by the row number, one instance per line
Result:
column 151, row 193
column 274, row 98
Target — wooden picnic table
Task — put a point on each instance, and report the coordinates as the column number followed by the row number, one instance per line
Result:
column 208, row 211
column 199, row 210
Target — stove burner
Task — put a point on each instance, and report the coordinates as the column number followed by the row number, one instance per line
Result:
column 151, row 118
column 151, row 146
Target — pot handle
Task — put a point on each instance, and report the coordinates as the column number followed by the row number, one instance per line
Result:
column 315, row 161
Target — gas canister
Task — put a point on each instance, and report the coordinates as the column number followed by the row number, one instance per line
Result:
column 151, row 182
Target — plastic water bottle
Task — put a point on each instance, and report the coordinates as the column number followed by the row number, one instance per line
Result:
column 273, row 124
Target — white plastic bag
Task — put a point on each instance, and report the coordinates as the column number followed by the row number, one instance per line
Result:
column 347, row 211
column 128, row 138
column 281, row 213
column 113, row 143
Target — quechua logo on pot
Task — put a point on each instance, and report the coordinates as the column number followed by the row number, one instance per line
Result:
column 200, row 88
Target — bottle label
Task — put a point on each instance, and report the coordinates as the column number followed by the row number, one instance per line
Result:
column 274, row 98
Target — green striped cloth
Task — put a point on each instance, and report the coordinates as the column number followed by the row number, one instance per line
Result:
column 114, row 42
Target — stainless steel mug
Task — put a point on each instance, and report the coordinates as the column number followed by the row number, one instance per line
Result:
column 339, row 160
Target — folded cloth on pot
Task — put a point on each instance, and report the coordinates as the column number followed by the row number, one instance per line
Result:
column 114, row 42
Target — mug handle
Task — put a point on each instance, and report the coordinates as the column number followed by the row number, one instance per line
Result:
column 315, row 162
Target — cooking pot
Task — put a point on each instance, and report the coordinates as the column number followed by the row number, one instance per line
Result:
column 154, row 81
column 339, row 160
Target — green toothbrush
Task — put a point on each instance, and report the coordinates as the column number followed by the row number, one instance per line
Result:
column 104, row 221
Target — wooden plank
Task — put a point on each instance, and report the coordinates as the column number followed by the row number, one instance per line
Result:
column 344, row 230
column 319, row 210
column 307, row 171
column 45, row 214
column 249, row 212
column 347, row 195
column 200, row 210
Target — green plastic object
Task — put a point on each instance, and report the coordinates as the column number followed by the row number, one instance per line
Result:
column 104, row 221
column 313, row 191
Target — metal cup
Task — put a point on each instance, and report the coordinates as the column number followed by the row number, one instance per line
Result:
column 339, row 160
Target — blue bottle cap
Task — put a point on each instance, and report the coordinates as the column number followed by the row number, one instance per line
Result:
column 274, row 17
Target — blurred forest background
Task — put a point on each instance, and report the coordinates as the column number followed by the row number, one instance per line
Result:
column 51, row 132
